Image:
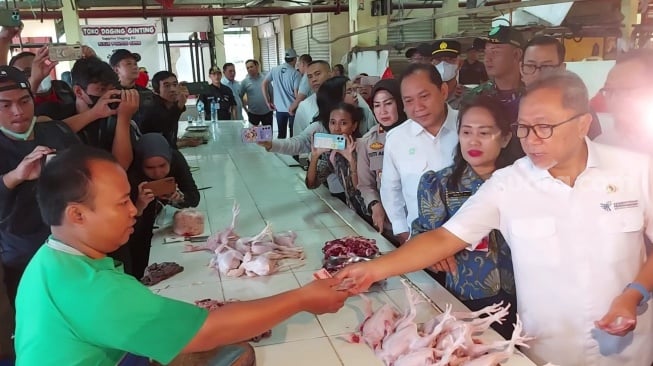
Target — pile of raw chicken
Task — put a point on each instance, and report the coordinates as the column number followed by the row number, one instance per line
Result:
column 259, row 255
column 447, row 340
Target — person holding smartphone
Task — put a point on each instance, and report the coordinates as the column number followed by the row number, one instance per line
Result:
column 343, row 120
column 154, row 160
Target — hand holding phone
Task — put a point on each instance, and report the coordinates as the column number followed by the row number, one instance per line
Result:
column 257, row 134
column 162, row 187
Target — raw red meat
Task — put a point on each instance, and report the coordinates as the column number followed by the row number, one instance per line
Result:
column 350, row 246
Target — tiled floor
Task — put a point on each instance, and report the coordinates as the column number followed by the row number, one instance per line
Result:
column 267, row 190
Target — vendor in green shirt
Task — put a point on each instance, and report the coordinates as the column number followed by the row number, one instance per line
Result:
column 75, row 306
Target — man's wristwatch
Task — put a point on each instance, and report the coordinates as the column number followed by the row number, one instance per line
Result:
column 369, row 207
column 646, row 295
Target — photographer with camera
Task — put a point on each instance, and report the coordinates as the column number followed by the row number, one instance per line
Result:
column 101, row 115
column 169, row 103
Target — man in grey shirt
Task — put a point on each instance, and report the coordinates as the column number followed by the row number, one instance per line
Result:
column 229, row 79
column 252, row 87
column 304, row 89
column 285, row 80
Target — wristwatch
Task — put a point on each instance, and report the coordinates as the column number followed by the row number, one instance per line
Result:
column 646, row 295
column 369, row 207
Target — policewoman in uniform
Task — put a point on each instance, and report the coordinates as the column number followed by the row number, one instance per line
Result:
column 389, row 113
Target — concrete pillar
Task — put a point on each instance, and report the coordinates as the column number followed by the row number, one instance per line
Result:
column 256, row 45
column 285, row 35
column 360, row 17
column 629, row 9
column 446, row 26
column 71, row 23
column 338, row 25
column 218, row 34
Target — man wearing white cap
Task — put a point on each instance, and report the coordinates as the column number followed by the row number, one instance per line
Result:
column 285, row 81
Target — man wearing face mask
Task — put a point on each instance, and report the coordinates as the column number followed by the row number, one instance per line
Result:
column 101, row 115
column 445, row 59
column 24, row 145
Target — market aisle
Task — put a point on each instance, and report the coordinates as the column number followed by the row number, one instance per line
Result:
column 267, row 190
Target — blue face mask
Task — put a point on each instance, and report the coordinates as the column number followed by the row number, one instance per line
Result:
column 20, row 136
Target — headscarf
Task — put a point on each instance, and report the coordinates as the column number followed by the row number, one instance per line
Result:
column 151, row 145
column 393, row 87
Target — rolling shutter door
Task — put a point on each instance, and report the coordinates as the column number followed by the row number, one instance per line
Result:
column 407, row 34
column 269, row 52
column 302, row 42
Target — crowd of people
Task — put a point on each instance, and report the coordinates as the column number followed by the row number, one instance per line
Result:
column 496, row 175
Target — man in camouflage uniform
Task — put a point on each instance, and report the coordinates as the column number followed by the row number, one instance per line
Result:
column 503, row 52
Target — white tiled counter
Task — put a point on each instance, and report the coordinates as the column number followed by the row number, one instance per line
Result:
column 267, row 190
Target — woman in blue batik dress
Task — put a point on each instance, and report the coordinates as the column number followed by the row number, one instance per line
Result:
column 484, row 276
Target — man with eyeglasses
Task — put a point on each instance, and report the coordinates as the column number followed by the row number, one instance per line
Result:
column 543, row 55
column 574, row 214
column 420, row 54
column 628, row 91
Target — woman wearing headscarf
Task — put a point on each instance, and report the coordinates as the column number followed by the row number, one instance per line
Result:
column 155, row 160
column 389, row 112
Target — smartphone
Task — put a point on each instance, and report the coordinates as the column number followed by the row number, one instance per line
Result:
column 10, row 18
column 257, row 134
column 197, row 88
column 327, row 141
column 46, row 159
column 162, row 187
column 65, row 52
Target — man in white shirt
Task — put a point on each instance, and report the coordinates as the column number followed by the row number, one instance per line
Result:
column 317, row 73
column 574, row 213
column 629, row 91
column 425, row 142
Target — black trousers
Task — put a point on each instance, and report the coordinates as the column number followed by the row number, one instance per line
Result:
column 6, row 320
column 264, row 119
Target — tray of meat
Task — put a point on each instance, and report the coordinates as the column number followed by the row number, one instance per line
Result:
column 351, row 249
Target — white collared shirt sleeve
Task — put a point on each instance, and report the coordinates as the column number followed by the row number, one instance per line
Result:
column 392, row 195
column 478, row 215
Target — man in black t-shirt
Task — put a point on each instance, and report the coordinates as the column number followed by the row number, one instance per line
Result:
column 220, row 93
column 24, row 145
column 169, row 103
column 101, row 114
column 125, row 65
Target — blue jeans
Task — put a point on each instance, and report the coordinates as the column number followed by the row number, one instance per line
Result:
column 284, row 120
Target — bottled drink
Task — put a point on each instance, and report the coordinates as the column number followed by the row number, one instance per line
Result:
column 200, row 111
column 214, row 111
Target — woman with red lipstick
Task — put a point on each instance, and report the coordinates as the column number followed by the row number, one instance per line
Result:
column 389, row 112
column 484, row 276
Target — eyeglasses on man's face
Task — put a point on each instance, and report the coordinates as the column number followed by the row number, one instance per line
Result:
column 541, row 130
column 529, row 69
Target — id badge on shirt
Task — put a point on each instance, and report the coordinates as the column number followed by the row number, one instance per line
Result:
column 376, row 163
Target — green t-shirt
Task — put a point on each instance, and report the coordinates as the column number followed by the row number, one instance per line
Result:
column 74, row 310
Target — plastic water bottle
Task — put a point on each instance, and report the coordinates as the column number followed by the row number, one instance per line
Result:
column 214, row 111
column 200, row 111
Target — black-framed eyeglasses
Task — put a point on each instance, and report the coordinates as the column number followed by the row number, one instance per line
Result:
column 541, row 130
column 530, row 69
